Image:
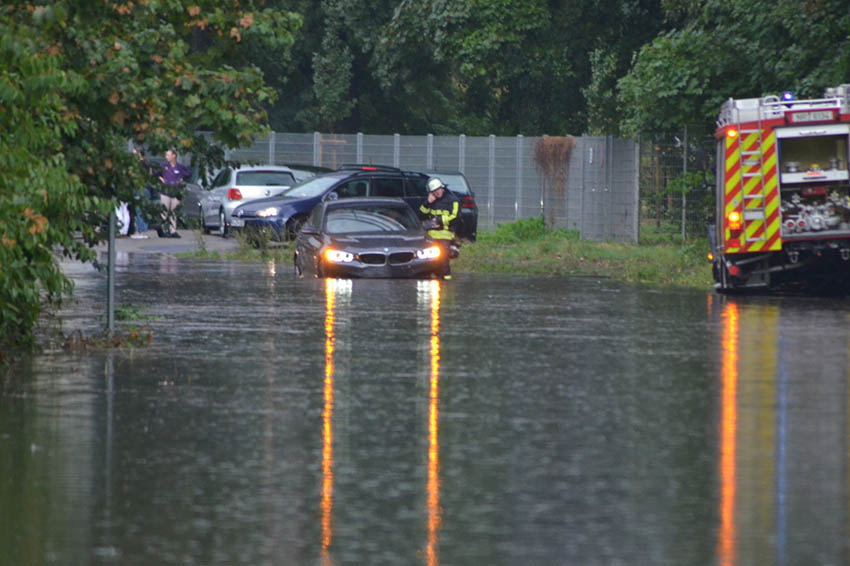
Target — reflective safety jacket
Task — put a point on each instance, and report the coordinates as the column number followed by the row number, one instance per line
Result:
column 445, row 211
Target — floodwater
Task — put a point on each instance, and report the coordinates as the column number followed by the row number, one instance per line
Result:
column 486, row 420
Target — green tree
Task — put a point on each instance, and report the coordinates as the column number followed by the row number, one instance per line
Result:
column 332, row 70
column 491, row 66
column 629, row 24
column 79, row 82
column 723, row 49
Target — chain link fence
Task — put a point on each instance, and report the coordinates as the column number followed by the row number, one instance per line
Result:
column 677, row 174
column 660, row 187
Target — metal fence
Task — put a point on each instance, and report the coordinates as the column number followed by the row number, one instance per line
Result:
column 600, row 200
column 677, row 173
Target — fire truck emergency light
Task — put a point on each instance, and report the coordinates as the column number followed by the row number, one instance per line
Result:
column 787, row 96
column 731, row 133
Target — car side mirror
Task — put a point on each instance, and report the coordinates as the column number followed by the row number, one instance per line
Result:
column 309, row 230
column 332, row 196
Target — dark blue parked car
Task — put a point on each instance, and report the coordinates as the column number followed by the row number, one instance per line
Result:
column 281, row 217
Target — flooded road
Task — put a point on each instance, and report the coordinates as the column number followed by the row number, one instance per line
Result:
column 487, row 420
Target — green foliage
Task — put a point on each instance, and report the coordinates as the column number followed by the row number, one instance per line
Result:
column 132, row 313
column 484, row 67
column 564, row 253
column 81, row 80
column 740, row 49
column 666, row 87
column 513, row 232
column 332, row 78
column 524, row 230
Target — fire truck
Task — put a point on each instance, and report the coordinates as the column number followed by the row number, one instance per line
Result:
column 782, row 215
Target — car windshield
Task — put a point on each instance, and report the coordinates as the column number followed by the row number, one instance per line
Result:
column 312, row 187
column 264, row 178
column 455, row 183
column 372, row 218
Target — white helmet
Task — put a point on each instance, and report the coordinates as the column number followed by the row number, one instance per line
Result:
column 435, row 183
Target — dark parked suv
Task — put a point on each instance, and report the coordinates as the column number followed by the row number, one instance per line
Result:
column 282, row 216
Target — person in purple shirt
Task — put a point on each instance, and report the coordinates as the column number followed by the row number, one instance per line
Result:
column 172, row 176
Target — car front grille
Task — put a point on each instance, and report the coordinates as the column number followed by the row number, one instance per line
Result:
column 378, row 258
column 400, row 257
column 372, row 258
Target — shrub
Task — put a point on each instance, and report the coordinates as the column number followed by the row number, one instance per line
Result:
column 524, row 230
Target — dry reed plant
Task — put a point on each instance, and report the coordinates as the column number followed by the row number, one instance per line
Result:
column 552, row 158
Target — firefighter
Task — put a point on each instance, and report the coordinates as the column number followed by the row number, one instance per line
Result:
column 443, row 209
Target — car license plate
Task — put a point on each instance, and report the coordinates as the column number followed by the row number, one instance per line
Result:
column 237, row 223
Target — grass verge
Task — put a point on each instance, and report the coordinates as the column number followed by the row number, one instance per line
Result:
column 527, row 247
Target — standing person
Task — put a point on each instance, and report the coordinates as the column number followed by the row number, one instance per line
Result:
column 443, row 208
column 138, row 225
column 172, row 176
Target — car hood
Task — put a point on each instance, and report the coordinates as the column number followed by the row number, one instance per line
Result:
column 372, row 241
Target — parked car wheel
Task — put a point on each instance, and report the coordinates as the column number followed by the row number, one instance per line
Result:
column 222, row 224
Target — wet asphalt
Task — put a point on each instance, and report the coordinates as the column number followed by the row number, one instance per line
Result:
column 189, row 241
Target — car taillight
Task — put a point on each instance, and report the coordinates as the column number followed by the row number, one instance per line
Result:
column 467, row 202
column 234, row 194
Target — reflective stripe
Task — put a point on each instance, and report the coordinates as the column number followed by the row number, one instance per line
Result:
column 446, row 216
column 441, row 234
column 752, row 183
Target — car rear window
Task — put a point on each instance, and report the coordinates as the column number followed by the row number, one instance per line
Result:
column 363, row 219
column 264, row 178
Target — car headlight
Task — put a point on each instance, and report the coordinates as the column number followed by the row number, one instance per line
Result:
column 338, row 256
column 428, row 253
column 270, row 211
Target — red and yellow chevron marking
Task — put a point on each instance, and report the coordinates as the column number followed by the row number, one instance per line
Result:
column 745, row 192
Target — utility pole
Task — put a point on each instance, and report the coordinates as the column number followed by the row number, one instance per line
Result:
column 110, row 277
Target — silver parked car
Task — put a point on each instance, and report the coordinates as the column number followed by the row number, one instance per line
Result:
column 233, row 186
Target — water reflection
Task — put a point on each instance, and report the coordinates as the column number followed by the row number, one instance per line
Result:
column 432, row 288
column 728, row 434
column 428, row 300
column 331, row 288
column 278, row 421
column 783, row 454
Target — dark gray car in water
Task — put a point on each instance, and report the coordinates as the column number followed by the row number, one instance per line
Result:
column 366, row 237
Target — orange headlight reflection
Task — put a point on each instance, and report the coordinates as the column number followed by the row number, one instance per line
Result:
column 327, row 422
column 433, row 488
